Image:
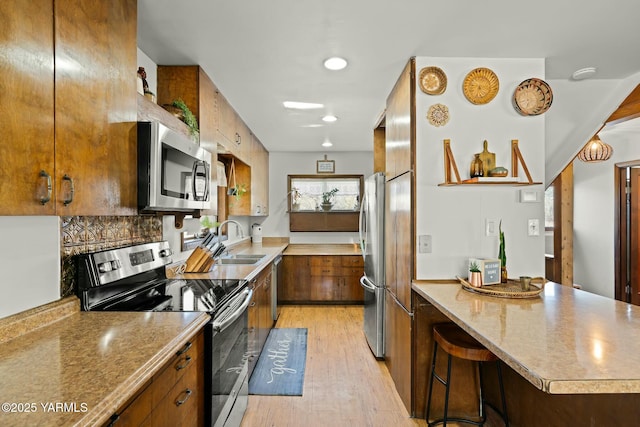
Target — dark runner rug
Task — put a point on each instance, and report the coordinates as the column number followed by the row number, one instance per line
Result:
column 280, row 368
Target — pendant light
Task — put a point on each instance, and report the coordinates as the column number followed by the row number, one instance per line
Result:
column 595, row 151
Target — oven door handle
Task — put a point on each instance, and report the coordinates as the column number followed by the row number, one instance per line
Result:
column 225, row 319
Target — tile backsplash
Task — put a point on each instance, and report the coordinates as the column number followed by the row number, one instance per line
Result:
column 81, row 234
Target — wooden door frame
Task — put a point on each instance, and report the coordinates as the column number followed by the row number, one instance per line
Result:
column 620, row 229
column 562, row 263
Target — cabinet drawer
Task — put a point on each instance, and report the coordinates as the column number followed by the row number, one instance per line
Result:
column 324, row 261
column 353, row 271
column 179, row 406
column 352, row 261
column 325, row 270
column 184, row 362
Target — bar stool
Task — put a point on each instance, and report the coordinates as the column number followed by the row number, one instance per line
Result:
column 456, row 342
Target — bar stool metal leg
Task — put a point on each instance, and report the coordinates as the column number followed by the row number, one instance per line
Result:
column 453, row 342
column 504, row 399
column 433, row 370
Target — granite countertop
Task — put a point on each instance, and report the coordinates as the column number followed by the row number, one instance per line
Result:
column 323, row 249
column 565, row 341
column 91, row 361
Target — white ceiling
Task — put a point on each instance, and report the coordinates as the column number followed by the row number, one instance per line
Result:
column 261, row 53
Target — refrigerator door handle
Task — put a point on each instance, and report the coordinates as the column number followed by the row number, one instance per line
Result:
column 361, row 226
column 366, row 283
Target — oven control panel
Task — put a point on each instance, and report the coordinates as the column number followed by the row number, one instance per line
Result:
column 116, row 264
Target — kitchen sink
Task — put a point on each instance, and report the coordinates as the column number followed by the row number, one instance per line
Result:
column 248, row 256
column 246, row 259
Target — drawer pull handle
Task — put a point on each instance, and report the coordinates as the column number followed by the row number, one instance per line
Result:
column 184, row 349
column 188, row 394
column 187, row 361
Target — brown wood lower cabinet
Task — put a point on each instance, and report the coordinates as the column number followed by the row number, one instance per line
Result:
column 321, row 279
column 174, row 396
column 260, row 315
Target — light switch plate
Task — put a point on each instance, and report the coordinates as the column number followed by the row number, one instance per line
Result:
column 490, row 227
column 424, row 244
column 533, row 227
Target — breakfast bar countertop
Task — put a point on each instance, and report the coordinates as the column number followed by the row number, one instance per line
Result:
column 77, row 368
column 565, row 341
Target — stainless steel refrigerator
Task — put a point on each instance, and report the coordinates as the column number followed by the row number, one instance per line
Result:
column 372, row 245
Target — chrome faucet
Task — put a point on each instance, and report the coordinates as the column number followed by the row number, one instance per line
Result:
column 238, row 227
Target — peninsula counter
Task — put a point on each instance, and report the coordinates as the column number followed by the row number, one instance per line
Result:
column 565, row 341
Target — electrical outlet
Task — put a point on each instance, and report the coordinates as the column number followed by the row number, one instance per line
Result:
column 533, row 227
column 424, row 244
column 490, row 227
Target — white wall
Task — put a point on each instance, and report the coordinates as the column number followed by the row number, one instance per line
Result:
column 593, row 221
column 282, row 164
column 29, row 261
column 455, row 216
column 151, row 68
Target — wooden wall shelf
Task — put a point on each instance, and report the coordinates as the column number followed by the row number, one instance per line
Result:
column 516, row 160
column 150, row 111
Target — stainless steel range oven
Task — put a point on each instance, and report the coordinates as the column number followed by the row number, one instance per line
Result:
column 134, row 279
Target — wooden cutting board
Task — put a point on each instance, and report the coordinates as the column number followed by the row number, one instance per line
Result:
column 488, row 159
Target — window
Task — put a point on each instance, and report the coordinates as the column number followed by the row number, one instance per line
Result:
column 548, row 208
column 306, row 192
column 307, row 212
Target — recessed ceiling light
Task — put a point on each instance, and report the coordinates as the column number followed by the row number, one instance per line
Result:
column 327, row 144
column 329, row 118
column 335, row 63
column 584, row 73
column 302, row 105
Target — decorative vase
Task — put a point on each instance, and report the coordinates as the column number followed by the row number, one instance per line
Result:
column 326, row 206
column 477, row 168
column 476, row 279
column 503, row 274
column 295, row 206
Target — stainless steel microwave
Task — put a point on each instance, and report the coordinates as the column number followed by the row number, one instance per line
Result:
column 174, row 173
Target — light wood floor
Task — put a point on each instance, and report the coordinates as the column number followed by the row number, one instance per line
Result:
column 344, row 384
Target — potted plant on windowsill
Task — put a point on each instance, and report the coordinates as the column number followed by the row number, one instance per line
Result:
column 327, row 199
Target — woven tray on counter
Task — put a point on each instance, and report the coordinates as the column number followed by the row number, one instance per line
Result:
column 511, row 289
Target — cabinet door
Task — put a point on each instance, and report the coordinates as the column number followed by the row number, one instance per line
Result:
column 227, row 135
column 295, row 284
column 253, row 326
column 399, row 238
column 398, row 348
column 244, row 140
column 259, row 178
column 266, row 319
column 404, row 238
column 26, row 107
column 326, row 288
column 95, row 107
column 400, row 121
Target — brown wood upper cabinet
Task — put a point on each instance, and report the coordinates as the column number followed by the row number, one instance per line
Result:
column 259, row 178
column 191, row 84
column 233, row 134
column 83, row 162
